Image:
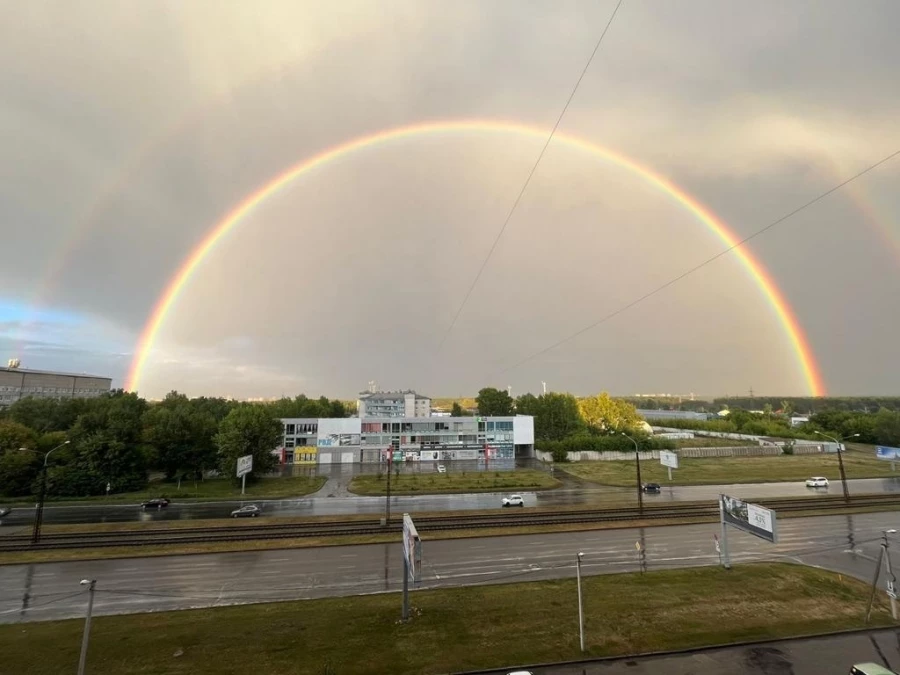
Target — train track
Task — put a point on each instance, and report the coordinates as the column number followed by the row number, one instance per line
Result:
column 197, row 535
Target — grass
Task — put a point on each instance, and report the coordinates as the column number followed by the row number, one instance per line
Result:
column 211, row 489
column 455, row 629
column 858, row 463
column 466, row 481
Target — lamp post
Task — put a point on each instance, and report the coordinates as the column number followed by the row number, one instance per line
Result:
column 841, row 460
column 39, row 513
column 91, row 584
column 580, row 607
column 637, row 460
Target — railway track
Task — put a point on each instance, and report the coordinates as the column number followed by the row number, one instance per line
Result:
column 160, row 536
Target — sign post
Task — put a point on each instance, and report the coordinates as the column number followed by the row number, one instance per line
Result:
column 889, row 454
column 244, row 466
column 669, row 460
column 750, row 518
column 412, row 560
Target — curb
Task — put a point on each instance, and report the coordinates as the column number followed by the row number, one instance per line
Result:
column 677, row 652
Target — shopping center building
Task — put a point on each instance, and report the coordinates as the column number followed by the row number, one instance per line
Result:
column 353, row 440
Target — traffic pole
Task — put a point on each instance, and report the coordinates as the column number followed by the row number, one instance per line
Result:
column 87, row 626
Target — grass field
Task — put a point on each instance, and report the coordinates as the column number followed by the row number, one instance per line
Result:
column 450, row 482
column 211, row 489
column 858, row 463
column 458, row 629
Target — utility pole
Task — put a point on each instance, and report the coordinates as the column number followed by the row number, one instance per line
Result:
column 91, row 584
column 840, row 453
column 387, row 498
column 39, row 511
column 580, row 606
column 891, row 579
column 640, row 485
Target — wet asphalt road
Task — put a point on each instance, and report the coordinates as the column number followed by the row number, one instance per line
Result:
column 318, row 505
column 34, row 592
column 811, row 656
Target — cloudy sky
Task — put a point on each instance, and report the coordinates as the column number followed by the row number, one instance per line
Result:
column 129, row 130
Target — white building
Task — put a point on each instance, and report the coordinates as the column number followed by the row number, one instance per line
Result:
column 17, row 383
column 352, row 440
column 393, row 404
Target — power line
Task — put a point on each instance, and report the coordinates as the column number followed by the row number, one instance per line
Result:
column 701, row 265
column 515, row 205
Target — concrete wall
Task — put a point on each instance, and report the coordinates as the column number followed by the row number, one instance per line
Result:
column 591, row 456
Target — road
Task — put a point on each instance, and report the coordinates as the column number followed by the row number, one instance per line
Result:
column 811, row 656
column 351, row 505
column 32, row 592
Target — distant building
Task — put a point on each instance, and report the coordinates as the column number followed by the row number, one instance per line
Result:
column 393, row 404
column 799, row 420
column 17, row 383
column 353, row 440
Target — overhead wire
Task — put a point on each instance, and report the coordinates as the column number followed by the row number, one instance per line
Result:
column 531, row 173
column 701, row 265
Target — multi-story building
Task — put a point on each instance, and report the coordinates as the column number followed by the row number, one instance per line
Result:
column 413, row 439
column 17, row 383
column 393, row 404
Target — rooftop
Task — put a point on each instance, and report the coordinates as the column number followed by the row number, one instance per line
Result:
column 29, row 371
column 385, row 395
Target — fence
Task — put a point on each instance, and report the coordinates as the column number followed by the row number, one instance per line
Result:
column 742, row 451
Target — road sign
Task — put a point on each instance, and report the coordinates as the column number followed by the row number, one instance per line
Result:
column 890, row 454
column 637, row 545
column 244, row 465
column 412, row 547
column 669, row 459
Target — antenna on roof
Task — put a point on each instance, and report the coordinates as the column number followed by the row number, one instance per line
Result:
column 13, row 364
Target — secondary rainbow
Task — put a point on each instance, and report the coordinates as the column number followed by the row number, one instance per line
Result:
column 799, row 344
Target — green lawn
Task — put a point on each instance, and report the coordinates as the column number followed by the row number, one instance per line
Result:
column 858, row 463
column 458, row 629
column 466, row 481
column 211, row 489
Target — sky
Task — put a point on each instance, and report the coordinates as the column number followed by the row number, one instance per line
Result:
column 129, row 130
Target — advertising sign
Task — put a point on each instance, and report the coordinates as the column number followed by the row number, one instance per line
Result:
column 244, row 465
column 412, row 548
column 669, row 459
column 750, row 518
column 890, row 454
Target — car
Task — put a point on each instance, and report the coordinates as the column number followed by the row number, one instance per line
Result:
column 158, row 503
column 817, row 481
column 870, row 669
column 249, row 511
column 521, row 672
column 652, row 488
column 4, row 512
column 513, row 500
column 442, row 468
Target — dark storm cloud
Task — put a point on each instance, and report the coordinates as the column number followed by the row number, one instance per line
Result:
column 175, row 112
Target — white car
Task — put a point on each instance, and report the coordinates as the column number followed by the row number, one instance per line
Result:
column 817, row 481
column 442, row 468
column 513, row 500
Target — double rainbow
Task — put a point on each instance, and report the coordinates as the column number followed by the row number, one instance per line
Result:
column 799, row 344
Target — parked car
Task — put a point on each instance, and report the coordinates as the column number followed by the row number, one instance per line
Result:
column 249, row 511
column 158, row 503
column 870, row 669
column 652, row 488
column 442, row 468
column 513, row 500
column 817, row 481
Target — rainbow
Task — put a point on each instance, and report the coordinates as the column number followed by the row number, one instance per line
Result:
column 794, row 332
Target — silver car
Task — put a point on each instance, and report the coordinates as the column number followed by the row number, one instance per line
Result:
column 249, row 511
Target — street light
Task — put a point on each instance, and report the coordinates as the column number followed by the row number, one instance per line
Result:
column 580, row 609
column 840, row 460
column 637, row 459
column 90, row 583
column 39, row 514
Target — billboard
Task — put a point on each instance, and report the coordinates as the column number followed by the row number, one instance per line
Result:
column 669, row 459
column 890, row 454
column 244, row 465
column 412, row 548
column 748, row 517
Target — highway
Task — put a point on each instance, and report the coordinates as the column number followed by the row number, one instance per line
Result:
column 34, row 592
column 319, row 505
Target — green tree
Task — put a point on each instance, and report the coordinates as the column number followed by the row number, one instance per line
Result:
column 14, row 435
column 886, row 428
column 604, row 414
column 556, row 416
column 249, row 430
column 494, row 402
column 456, row 410
column 181, row 435
column 18, row 469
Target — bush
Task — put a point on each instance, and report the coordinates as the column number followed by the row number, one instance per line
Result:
column 560, row 449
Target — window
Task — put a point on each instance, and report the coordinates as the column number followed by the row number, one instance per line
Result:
column 289, row 429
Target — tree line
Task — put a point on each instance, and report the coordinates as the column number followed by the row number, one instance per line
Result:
column 117, row 440
column 801, row 405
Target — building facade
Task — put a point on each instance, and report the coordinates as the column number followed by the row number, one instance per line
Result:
column 413, row 439
column 393, row 404
column 17, row 383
